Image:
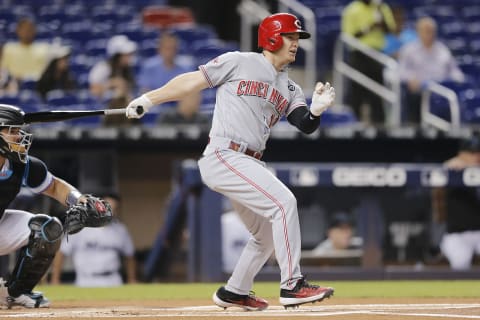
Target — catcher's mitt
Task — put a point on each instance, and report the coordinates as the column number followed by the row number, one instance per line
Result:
column 94, row 212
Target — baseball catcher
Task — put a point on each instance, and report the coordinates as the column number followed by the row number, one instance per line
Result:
column 36, row 236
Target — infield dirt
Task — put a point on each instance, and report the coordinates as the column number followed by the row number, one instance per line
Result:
column 335, row 308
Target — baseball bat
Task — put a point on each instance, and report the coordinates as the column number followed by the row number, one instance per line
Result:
column 59, row 115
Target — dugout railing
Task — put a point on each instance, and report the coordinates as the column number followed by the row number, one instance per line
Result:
column 390, row 90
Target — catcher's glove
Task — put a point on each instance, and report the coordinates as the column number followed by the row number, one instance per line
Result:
column 93, row 212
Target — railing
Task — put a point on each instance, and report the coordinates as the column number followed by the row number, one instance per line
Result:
column 429, row 118
column 342, row 69
column 252, row 13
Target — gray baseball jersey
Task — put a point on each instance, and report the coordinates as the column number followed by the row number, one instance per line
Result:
column 251, row 97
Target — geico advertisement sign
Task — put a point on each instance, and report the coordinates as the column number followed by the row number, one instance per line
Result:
column 369, row 176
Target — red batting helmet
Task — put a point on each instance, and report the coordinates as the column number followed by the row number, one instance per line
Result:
column 272, row 27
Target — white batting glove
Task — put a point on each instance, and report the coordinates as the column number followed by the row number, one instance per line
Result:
column 133, row 109
column 322, row 98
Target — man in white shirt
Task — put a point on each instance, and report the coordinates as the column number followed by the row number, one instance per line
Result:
column 426, row 59
column 96, row 254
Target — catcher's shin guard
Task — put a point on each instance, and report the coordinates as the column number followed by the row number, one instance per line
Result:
column 35, row 258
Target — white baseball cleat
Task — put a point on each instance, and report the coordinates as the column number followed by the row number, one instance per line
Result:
column 27, row 300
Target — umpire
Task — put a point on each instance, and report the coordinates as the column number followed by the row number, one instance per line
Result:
column 37, row 236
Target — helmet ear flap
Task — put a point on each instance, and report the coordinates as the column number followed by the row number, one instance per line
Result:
column 276, row 42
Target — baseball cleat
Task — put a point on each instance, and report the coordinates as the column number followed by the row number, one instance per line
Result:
column 28, row 300
column 224, row 299
column 302, row 293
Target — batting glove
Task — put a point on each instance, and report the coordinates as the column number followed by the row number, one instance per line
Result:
column 322, row 98
column 138, row 107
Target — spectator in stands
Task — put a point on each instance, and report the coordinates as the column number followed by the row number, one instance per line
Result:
column 96, row 253
column 8, row 84
column 114, row 77
column 340, row 241
column 185, row 112
column 458, row 208
column 402, row 34
column 368, row 21
column 25, row 59
column 426, row 59
column 57, row 75
column 158, row 70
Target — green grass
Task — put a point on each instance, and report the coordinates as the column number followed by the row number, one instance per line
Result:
column 194, row 291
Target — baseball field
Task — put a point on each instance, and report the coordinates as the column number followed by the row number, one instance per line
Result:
column 373, row 300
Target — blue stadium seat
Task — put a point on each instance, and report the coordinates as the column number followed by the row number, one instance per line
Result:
column 60, row 98
column 7, row 17
column 470, row 98
column 27, row 84
column 337, row 118
column 453, row 30
column 55, row 13
column 209, row 95
column 10, row 99
column 458, row 46
column 475, row 47
column 471, row 13
column 203, row 51
column 439, row 106
column 456, row 86
column 30, row 100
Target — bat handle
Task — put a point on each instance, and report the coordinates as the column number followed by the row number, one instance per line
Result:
column 140, row 110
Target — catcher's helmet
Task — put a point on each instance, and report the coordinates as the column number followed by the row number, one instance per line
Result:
column 272, row 27
column 15, row 142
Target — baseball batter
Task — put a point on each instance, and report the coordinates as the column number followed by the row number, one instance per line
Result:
column 254, row 92
column 36, row 236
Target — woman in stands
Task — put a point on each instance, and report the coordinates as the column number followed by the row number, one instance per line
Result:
column 57, row 75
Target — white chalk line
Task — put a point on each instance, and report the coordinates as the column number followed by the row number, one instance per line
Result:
column 272, row 311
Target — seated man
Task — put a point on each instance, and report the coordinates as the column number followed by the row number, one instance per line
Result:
column 426, row 59
column 340, row 241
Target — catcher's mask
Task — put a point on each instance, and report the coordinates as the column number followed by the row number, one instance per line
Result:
column 272, row 27
column 14, row 140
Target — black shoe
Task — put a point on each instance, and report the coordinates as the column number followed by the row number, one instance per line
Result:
column 224, row 298
column 303, row 292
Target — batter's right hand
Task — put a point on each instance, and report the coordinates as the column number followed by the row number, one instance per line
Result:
column 322, row 98
column 134, row 112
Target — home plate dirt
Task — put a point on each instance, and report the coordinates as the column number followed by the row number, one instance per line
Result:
column 362, row 309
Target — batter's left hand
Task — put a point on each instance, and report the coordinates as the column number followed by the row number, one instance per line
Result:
column 322, row 98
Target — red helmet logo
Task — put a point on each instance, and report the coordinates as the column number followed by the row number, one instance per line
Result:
column 298, row 24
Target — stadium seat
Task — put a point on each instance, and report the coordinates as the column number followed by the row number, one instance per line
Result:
column 165, row 16
column 10, row 99
column 338, row 118
column 203, row 51
column 456, row 86
column 439, row 106
column 30, row 100
column 61, row 98
column 8, row 17
column 27, row 84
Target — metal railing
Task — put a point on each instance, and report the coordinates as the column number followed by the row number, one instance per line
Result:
column 252, row 13
column 429, row 118
column 342, row 69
